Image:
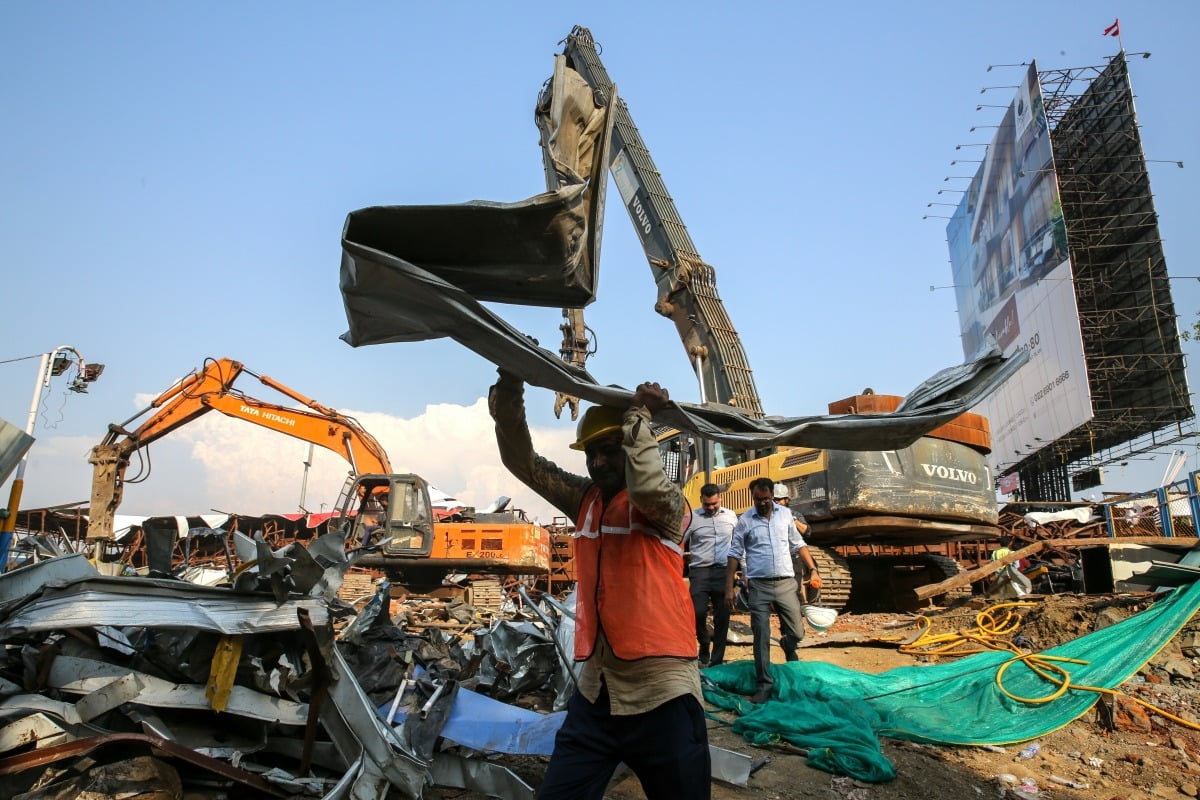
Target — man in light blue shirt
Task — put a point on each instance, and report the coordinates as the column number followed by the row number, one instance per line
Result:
column 707, row 542
column 764, row 540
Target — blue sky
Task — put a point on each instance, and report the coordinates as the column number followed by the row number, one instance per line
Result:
column 175, row 177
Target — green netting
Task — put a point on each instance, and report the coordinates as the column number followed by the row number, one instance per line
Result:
column 839, row 714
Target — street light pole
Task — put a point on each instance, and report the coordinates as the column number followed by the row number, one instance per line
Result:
column 87, row 374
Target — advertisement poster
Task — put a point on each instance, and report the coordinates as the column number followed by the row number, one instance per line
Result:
column 1014, row 284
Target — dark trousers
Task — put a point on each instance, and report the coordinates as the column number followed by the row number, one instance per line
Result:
column 667, row 748
column 782, row 595
column 708, row 584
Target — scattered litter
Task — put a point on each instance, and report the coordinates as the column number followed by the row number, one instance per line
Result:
column 1029, row 752
column 1069, row 784
column 1026, row 790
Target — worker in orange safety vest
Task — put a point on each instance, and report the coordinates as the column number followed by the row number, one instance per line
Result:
column 638, row 699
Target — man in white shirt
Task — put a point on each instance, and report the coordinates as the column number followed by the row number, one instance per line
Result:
column 707, row 542
column 764, row 540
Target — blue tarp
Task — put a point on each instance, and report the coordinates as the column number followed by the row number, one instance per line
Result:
column 481, row 723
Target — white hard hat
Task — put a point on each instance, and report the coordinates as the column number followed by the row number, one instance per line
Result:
column 820, row 618
column 781, row 491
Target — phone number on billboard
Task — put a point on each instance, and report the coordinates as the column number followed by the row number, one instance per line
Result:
column 1049, row 387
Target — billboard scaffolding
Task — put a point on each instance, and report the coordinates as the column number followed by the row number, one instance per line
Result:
column 1134, row 365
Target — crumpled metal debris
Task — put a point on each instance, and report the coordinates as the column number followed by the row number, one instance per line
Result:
column 117, row 668
column 519, row 657
column 99, row 666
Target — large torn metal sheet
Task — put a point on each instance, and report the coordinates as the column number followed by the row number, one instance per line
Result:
column 155, row 603
column 396, row 300
column 524, row 252
column 84, row 676
column 541, row 251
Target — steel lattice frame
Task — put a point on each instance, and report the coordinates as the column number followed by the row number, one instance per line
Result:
column 1136, row 370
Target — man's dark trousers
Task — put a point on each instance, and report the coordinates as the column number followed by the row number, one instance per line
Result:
column 707, row 584
column 666, row 747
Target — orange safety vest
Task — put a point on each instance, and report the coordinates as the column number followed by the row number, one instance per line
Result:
column 630, row 583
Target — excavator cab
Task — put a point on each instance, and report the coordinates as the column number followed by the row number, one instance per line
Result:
column 680, row 453
column 392, row 512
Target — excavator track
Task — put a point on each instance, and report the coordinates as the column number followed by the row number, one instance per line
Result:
column 894, row 578
column 944, row 567
column 836, row 579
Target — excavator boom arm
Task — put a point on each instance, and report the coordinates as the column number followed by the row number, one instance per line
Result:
column 687, row 288
column 335, row 433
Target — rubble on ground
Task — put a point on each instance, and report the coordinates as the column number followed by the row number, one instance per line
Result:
column 273, row 686
column 305, row 678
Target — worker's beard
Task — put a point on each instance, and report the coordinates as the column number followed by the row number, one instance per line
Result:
column 609, row 478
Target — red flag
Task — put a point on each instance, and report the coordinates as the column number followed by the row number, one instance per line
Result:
column 1114, row 29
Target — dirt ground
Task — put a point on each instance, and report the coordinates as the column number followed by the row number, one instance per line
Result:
column 1146, row 756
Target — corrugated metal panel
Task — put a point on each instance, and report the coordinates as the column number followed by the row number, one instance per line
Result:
column 14, row 443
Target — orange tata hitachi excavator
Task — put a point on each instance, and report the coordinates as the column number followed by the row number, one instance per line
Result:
column 389, row 513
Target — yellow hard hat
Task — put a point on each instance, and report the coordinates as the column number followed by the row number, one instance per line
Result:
column 596, row 422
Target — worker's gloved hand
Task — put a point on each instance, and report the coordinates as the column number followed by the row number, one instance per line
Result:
column 650, row 396
column 814, row 581
column 508, row 388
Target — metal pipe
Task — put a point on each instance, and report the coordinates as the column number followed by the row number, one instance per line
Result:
column 396, row 702
column 437, row 692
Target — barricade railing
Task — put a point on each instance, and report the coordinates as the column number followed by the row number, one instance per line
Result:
column 1172, row 511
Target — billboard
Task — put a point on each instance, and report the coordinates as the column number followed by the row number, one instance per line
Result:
column 1014, row 283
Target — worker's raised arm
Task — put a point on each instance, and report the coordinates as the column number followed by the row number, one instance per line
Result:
column 650, row 491
column 562, row 489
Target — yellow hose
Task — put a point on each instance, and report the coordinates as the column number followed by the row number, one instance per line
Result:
column 990, row 625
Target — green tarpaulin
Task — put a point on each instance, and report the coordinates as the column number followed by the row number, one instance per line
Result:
column 839, row 714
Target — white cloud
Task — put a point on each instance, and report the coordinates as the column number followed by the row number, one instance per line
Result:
column 221, row 463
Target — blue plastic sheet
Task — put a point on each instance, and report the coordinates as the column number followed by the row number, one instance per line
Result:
column 481, row 723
